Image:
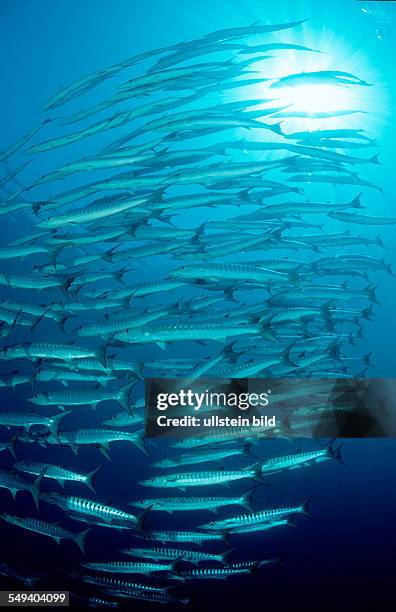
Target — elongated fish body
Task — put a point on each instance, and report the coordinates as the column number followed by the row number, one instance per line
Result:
column 226, row 434
column 28, row 420
column 202, row 456
column 32, row 280
column 190, row 504
column 329, row 292
column 60, row 474
column 77, row 397
column 14, row 483
column 254, row 518
column 325, row 77
column 118, row 323
column 210, row 331
column 129, row 567
column 45, row 350
column 193, row 537
column 120, row 584
column 102, row 162
column 158, row 554
column 52, row 530
column 67, row 376
column 363, row 219
column 220, row 573
column 88, row 507
column 200, row 479
column 12, row 318
column 35, row 310
column 8, row 252
column 297, row 460
column 232, row 272
column 100, row 437
column 258, row 527
column 94, row 212
column 18, row 144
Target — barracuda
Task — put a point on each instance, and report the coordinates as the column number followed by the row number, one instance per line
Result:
column 204, row 456
column 99, row 437
column 52, row 530
column 101, row 209
column 46, row 350
column 33, row 281
column 232, row 272
column 302, row 459
column 190, row 504
column 220, row 573
column 120, row 584
column 262, row 516
column 129, row 567
column 60, row 474
column 88, row 507
column 192, row 556
column 200, row 479
column 15, row 483
column 77, row 397
column 194, row 537
column 116, row 323
column 27, row 420
column 178, row 332
column 262, row 526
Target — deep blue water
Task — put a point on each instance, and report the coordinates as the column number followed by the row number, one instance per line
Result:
column 344, row 555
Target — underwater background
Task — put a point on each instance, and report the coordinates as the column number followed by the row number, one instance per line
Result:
column 344, row 555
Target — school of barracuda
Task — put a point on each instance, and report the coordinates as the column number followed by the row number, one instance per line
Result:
column 218, row 286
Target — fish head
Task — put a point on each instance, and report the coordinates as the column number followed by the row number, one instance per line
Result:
column 209, row 526
column 154, row 481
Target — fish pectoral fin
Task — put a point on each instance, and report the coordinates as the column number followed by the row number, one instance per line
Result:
column 162, row 345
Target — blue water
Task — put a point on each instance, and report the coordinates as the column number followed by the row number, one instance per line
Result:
column 345, row 554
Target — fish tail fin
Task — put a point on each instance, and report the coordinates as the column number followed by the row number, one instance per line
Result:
column 55, row 422
column 371, row 294
column 101, row 354
column 367, row 313
column 36, row 486
column 123, row 397
column 80, row 538
column 175, row 571
column 355, row 203
column 379, row 241
column 305, row 507
column 276, row 127
column 90, row 478
column 334, row 453
column 266, row 333
column 13, row 441
column 141, row 519
column 284, row 357
column 244, row 195
column 388, row 268
column 247, row 499
column 224, row 556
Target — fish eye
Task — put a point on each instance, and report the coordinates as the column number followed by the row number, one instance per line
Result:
column 211, row 523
